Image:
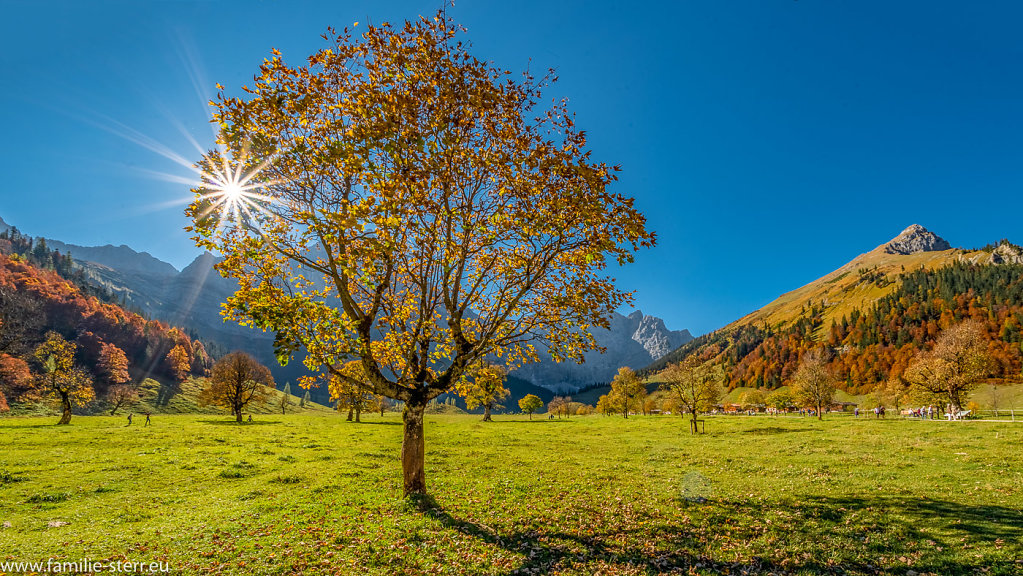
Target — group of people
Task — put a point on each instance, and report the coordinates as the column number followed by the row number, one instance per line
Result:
column 130, row 416
column 879, row 411
column 923, row 412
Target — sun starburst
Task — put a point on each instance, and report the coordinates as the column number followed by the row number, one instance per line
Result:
column 235, row 195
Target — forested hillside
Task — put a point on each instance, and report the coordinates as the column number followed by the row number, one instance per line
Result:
column 40, row 293
column 876, row 343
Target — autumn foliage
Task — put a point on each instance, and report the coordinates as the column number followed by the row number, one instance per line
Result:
column 107, row 339
column 875, row 346
column 414, row 208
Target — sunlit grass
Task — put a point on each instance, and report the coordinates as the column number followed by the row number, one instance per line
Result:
column 314, row 494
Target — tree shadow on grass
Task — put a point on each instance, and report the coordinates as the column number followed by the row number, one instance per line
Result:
column 537, row 421
column 771, row 430
column 381, row 423
column 236, row 423
column 166, row 392
column 916, row 529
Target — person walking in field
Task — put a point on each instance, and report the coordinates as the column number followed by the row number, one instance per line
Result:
column 147, row 418
column 250, row 417
column 129, row 420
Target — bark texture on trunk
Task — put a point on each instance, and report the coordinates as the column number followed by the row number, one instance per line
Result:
column 486, row 414
column 65, row 403
column 413, row 449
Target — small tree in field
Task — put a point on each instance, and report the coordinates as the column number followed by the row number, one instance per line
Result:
column 397, row 201
column 753, row 398
column 304, row 400
column 285, row 398
column 485, row 388
column 121, row 395
column 61, row 379
column 627, row 390
column 954, row 367
column 606, row 405
column 379, row 403
column 780, row 399
column 348, row 395
column 895, row 393
column 530, row 403
column 236, row 381
column 561, row 406
column 650, row 404
column 813, row 384
column 693, row 386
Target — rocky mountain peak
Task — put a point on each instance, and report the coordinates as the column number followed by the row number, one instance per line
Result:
column 1006, row 253
column 916, row 239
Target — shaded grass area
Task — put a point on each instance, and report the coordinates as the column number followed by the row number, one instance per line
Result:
column 314, row 494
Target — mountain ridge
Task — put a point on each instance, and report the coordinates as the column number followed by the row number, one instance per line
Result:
column 870, row 318
column 192, row 297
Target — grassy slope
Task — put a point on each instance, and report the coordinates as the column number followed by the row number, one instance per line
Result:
column 842, row 291
column 313, row 494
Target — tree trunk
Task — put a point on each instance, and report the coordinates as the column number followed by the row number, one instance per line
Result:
column 413, row 449
column 349, row 413
column 358, row 413
column 65, row 403
column 820, row 412
column 486, row 413
column 238, row 415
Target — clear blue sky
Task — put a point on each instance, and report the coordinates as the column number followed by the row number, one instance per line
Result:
column 768, row 142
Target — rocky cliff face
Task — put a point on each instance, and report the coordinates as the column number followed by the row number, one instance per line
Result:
column 916, row 239
column 1006, row 253
column 634, row 341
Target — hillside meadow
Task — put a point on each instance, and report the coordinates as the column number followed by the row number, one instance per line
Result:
column 313, row 494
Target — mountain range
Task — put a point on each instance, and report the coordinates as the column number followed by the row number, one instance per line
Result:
column 874, row 314
column 192, row 298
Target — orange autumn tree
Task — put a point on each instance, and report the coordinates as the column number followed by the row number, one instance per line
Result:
column 178, row 363
column 113, row 364
column 396, row 201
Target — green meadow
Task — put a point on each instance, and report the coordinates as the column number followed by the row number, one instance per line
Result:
column 313, row 494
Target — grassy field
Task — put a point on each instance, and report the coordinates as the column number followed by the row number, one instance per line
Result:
column 313, row 494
